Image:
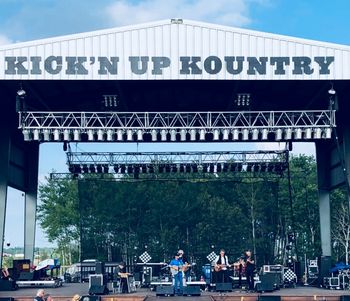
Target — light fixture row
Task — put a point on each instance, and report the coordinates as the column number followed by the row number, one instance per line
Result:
column 272, row 167
column 178, row 134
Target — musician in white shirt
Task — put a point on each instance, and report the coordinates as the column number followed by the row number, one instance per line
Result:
column 221, row 265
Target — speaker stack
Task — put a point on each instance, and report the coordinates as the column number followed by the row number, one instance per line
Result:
column 165, row 290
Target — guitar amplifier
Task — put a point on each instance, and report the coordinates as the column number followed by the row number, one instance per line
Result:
column 95, row 280
column 277, row 268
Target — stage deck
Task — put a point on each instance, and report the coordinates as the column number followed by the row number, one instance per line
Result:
column 66, row 292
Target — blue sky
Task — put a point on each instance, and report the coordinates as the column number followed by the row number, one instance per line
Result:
column 23, row 20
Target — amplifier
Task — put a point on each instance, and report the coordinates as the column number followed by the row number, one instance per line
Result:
column 95, row 280
column 164, row 290
column 277, row 268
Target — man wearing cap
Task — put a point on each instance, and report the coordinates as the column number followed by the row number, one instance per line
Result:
column 176, row 265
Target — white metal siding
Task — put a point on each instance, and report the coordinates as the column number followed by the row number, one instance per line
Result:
column 175, row 40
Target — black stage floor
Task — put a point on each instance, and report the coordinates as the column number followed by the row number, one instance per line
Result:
column 71, row 289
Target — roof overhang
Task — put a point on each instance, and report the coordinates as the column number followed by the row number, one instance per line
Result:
column 175, row 49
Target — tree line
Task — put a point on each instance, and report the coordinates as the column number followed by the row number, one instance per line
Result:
column 117, row 220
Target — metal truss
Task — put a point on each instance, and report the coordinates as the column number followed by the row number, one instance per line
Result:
column 159, row 158
column 178, row 165
column 112, row 126
column 187, row 177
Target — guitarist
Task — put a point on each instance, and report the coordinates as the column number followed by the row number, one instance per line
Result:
column 221, row 267
column 176, row 265
column 186, row 266
column 249, row 269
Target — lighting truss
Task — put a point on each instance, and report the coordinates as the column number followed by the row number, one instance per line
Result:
column 177, row 126
column 178, row 164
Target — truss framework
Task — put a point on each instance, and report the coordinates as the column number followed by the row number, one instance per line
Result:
column 171, row 120
column 159, row 158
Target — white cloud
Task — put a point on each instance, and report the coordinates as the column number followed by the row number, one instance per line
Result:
column 228, row 12
column 4, row 40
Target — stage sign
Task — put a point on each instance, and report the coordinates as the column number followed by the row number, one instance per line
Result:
column 188, row 50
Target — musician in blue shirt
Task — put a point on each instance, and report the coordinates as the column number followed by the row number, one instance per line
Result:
column 176, row 265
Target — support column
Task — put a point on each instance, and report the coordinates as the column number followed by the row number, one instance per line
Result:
column 31, row 173
column 323, row 159
column 4, row 171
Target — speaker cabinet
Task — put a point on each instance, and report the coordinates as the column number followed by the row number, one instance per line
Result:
column 345, row 298
column 269, row 298
column 191, row 290
column 90, row 298
column 100, row 268
column 7, row 285
column 6, row 299
column 98, row 290
column 166, row 290
column 223, row 287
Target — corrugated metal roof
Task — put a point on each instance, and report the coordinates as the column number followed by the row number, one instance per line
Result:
column 175, row 50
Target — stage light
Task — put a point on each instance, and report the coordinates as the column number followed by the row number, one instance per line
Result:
column 21, row 93
column 317, row 133
column 130, row 169
column 167, row 168
column 225, row 133
column 100, row 136
column 194, row 168
column 255, row 135
column 183, row 135
column 144, row 168
column 150, row 169
column 85, row 168
column 47, row 135
column 205, row 167
column 99, row 169
column 109, row 135
column 264, row 134
column 202, row 135
column 139, row 135
column 211, row 168
column 116, row 168
column 129, row 135
column 245, row 134
column 163, row 135
column 298, row 134
column 278, row 134
column 331, row 91
column 173, row 135
column 36, row 135
column 225, row 167
column 76, row 135
column 188, row 168
column 174, row 168
column 308, row 133
column 216, row 135
column 193, row 135
column 182, row 168
column 56, row 135
column 235, row 134
column 154, row 135
column 90, row 135
column 92, row 168
column 120, row 134
column 66, row 135
column 219, row 167
column 105, row 168
column 288, row 134
column 71, row 168
column 161, row 168
column 123, row 169
column 328, row 133
column 26, row 135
